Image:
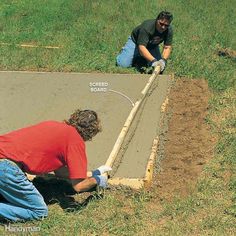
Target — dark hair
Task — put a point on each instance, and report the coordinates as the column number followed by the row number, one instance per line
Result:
column 165, row 15
column 86, row 123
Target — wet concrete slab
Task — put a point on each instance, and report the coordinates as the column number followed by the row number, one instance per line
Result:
column 27, row 98
column 144, row 129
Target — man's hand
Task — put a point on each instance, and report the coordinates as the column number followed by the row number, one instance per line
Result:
column 161, row 63
column 101, row 180
column 101, row 170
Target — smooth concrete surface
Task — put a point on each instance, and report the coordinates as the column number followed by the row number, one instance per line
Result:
column 27, row 98
column 136, row 150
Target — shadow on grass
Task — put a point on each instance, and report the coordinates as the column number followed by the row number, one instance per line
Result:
column 60, row 191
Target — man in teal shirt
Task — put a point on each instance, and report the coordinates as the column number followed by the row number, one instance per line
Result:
column 144, row 43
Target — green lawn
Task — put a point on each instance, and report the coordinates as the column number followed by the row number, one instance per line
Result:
column 89, row 35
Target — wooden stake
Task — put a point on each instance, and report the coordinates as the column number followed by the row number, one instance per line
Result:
column 30, row 46
column 149, row 169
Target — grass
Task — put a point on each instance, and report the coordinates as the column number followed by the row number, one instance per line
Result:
column 90, row 34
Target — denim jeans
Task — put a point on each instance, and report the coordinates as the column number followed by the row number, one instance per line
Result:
column 130, row 53
column 24, row 202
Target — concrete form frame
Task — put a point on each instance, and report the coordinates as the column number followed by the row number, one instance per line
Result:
column 137, row 183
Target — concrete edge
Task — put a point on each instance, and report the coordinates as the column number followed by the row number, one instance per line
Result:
column 150, row 165
column 73, row 73
column 128, row 182
column 145, row 182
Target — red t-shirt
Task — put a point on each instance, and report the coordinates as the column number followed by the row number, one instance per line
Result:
column 46, row 147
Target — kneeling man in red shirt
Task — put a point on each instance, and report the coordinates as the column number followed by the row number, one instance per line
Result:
column 40, row 149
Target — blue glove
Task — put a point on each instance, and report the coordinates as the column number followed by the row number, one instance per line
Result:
column 101, row 170
column 101, row 180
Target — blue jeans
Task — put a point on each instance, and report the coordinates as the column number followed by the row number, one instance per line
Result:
column 130, row 53
column 24, row 202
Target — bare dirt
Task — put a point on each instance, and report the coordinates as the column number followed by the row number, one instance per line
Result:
column 188, row 144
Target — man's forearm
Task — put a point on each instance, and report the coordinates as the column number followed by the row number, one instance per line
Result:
column 166, row 52
column 145, row 53
column 80, row 185
column 148, row 56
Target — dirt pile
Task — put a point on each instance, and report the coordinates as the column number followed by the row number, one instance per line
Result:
column 188, row 142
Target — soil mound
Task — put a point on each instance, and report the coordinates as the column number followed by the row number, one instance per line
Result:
column 188, row 142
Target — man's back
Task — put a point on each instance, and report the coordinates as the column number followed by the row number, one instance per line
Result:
column 43, row 147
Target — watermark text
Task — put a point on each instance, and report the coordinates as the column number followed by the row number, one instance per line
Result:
column 20, row 229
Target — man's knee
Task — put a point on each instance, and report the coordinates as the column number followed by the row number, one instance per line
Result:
column 40, row 213
column 123, row 62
